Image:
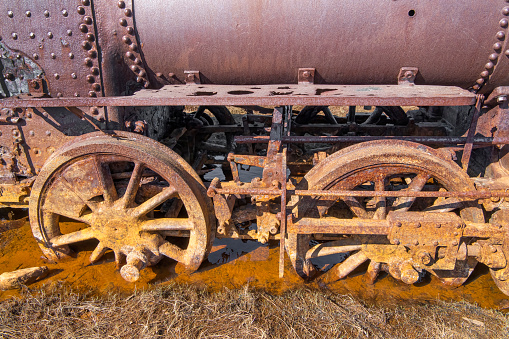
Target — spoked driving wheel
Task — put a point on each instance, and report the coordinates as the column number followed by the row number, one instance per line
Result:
column 136, row 197
column 380, row 166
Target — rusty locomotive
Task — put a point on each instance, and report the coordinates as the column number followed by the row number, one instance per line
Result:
column 112, row 111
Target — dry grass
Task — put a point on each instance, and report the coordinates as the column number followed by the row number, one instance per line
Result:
column 192, row 312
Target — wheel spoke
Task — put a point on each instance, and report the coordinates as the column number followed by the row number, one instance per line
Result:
column 168, row 224
column 380, row 202
column 61, row 209
column 403, row 204
column 445, row 205
column 74, row 237
column 155, row 201
column 106, row 180
column 134, row 184
column 356, row 207
column 172, row 251
column 98, row 252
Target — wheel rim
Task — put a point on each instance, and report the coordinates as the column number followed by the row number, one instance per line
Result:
column 130, row 195
column 385, row 167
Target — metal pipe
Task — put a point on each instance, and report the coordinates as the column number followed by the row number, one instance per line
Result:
column 355, row 139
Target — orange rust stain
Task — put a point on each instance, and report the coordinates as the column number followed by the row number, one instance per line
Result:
column 234, row 269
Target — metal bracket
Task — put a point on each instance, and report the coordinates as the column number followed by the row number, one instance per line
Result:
column 425, row 232
column 306, row 76
column 192, row 77
column 407, row 75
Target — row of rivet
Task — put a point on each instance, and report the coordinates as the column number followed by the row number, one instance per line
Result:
column 129, row 39
column 88, row 45
column 493, row 58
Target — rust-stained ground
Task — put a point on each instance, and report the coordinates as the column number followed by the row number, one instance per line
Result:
column 232, row 264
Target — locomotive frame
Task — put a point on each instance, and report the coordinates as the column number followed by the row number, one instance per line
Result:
column 71, row 156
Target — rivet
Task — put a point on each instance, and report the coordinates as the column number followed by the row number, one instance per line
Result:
column 455, row 234
column 493, row 56
column 53, row 56
column 503, row 23
column 50, row 35
column 83, row 28
column 71, row 56
column 133, row 47
column 135, row 68
column 15, row 36
column 15, row 132
column 69, row 32
column 497, row 46
column 87, row 20
column 476, row 87
column 31, row 133
column 86, row 45
column 127, row 12
column 398, row 224
column 418, row 225
column 159, row 74
column 81, row 10
column 130, row 30
column 416, row 242
column 123, row 22
column 46, row 13
column 85, row 2
column 32, row 35
column 96, row 87
column 92, row 53
column 500, row 35
column 9, row 76
column 139, row 79
column 146, row 84
column 137, row 61
column 438, row 225
column 126, row 39
column 57, row 76
column 18, row 56
column 89, row 62
column 76, row 94
column 396, row 241
column 505, row 11
column 92, row 94
column 65, row 13
column 10, row 14
column 35, row 56
column 435, row 243
column 28, row 14
column 454, row 243
column 90, row 37
column 74, row 76
column 121, row 4
column 485, row 74
column 94, row 111
column 480, row 81
column 489, row 65
column 142, row 73
column 94, row 71
column 90, row 79
column 506, row 52
column 48, row 133
column 129, row 54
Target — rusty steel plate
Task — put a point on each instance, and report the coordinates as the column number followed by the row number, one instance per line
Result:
column 310, row 95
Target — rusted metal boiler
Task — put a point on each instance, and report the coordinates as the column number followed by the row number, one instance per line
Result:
column 379, row 129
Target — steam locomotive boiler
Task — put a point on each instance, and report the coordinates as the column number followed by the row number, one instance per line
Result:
column 380, row 130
